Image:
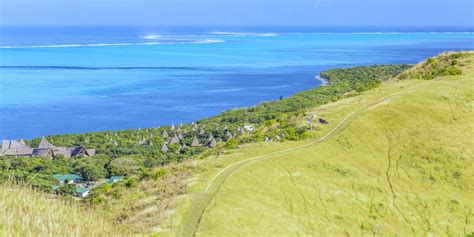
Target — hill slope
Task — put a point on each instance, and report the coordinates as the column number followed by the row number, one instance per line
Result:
column 396, row 160
column 30, row 213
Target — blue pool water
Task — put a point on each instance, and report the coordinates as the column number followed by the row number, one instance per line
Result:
column 57, row 80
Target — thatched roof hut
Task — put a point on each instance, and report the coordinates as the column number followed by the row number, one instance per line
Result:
column 15, row 148
column 180, row 136
column 43, row 152
column 201, row 132
column 164, row 134
column 212, row 143
column 183, row 147
column 195, row 142
column 81, row 151
column 45, row 144
column 164, row 148
column 174, row 140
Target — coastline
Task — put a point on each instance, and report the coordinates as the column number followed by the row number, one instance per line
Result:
column 324, row 81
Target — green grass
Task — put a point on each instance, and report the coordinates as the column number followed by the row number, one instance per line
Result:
column 399, row 165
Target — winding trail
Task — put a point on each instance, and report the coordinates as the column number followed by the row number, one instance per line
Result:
column 201, row 200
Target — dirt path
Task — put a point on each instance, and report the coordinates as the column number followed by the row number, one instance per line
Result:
column 202, row 200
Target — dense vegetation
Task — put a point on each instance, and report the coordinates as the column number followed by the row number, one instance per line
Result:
column 341, row 82
column 136, row 152
column 447, row 64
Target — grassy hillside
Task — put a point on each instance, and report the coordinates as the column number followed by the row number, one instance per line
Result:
column 394, row 161
column 26, row 212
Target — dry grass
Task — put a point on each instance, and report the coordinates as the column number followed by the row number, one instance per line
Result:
column 401, row 168
column 26, row 212
column 144, row 207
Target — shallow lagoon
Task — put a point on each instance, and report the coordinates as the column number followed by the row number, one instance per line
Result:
column 63, row 80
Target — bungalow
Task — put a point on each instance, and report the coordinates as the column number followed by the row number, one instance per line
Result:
column 82, row 192
column 67, row 152
column 81, row 151
column 195, row 142
column 174, row 140
column 45, row 149
column 114, row 179
column 16, row 148
column 212, row 143
column 164, row 148
column 67, row 178
column 44, row 152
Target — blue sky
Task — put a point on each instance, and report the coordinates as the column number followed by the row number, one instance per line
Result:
column 238, row 12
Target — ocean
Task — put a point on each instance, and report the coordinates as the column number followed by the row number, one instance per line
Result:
column 56, row 80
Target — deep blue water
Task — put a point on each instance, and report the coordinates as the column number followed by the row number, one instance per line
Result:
column 57, row 80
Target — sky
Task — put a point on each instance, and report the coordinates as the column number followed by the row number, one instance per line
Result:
column 239, row 12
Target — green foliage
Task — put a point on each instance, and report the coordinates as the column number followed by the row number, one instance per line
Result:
column 232, row 143
column 130, row 182
column 341, row 81
column 159, row 173
column 444, row 65
column 123, row 166
column 67, row 189
column 89, row 169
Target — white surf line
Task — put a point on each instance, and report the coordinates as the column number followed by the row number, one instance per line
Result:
column 310, row 143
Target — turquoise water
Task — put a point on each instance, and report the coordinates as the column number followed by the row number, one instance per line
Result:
column 72, row 80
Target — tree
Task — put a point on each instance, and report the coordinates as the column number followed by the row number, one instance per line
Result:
column 89, row 170
column 123, row 166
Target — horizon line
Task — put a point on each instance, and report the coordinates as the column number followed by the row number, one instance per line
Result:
column 231, row 25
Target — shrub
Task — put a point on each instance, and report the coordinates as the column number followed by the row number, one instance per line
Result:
column 130, row 182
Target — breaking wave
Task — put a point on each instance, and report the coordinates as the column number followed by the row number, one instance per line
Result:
column 115, row 44
column 243, row 34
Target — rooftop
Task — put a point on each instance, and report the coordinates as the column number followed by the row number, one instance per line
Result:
column 63, row 177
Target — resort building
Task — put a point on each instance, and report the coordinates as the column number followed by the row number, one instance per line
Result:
column 164, row 148
column 16, row 148
column 67, row 178
column 195, row 142
column 114, row 179
column 82, row 192
column 45, row 149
